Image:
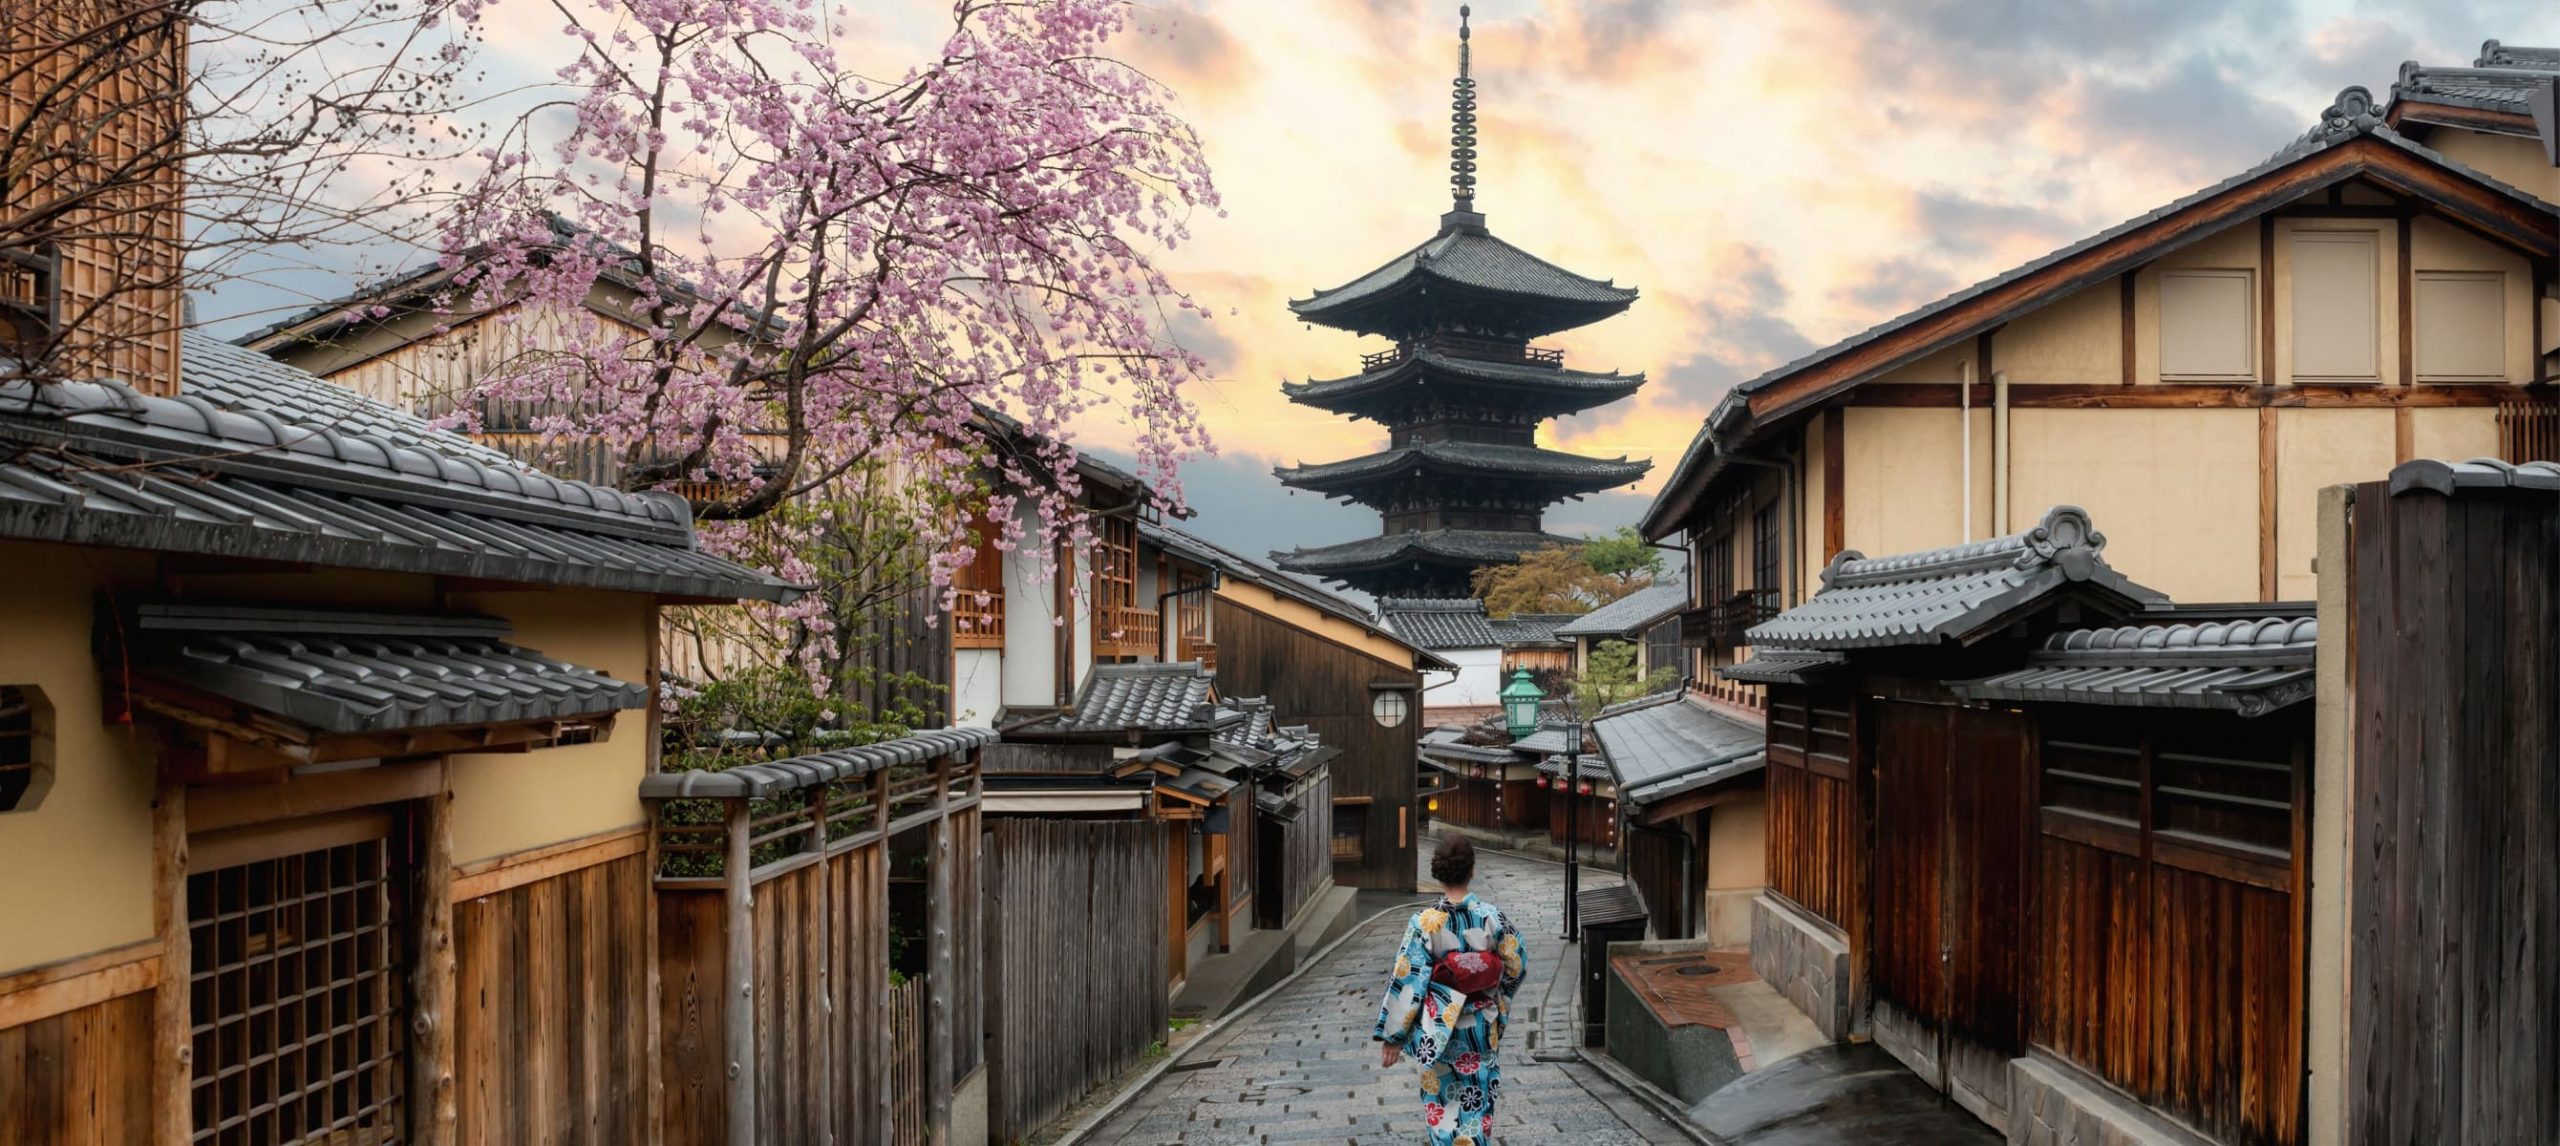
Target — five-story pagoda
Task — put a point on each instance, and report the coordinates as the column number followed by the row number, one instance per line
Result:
column 1462, row 483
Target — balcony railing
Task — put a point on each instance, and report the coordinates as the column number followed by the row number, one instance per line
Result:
column 977, row 620
column 1127, row 631
column 1727, row 623
column 1196, row 649
column 1465, row 346
column 2529, row 428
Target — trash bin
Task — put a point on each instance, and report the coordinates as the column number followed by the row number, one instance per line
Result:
column 1609, row 915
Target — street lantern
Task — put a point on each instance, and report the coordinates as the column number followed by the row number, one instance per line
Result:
column 1571, row 784
column 1520, row 704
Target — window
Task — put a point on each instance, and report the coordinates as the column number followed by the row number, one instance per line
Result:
column 2334, row 315
column 1719, row 570
column 1388, row 707
column 1662, row 647
column 26, row 747
column 2208, row 326
column 2462, row 326
column 295, row 985
column 1350, row 831
column 1764, row 547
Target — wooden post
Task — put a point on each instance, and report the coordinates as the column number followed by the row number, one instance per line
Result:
column 882, row 1044
column 654, row 1063
column 738, row 1029
column 432, row 1098
column 940, row 967
column 820, row 914
column 173, row 1047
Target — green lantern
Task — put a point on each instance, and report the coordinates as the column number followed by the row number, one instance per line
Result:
column 1520, row 704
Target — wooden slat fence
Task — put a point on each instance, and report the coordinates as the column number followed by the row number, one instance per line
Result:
column 1816, row 842
column 1075, row 958
column 906, row 1063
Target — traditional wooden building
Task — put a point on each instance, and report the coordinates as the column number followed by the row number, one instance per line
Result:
column 2041, row 834
column 1648, row 619
column 1462, row 483
column 2381, row 289
column 1693, row 821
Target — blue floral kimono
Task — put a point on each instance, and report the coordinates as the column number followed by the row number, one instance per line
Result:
column 1453, row 1041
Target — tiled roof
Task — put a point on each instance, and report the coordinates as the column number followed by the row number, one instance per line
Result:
column 1439, row 624
column 1466, row 255
column 1230, row 563
column 1456, row 546
column 2496, row 55
column 1545, row 388
column 1654, row 743
column 2350, row 117
column 1631, row 614
column 2250, row 667
column 779, row 776
column 1783, row 666
column 2478, row 473
column 1949, row 594
column 344, row 672
column 2500, row 79
column 1141, row 698
column 1589, row 766
column 352, row 484
column 1529, row 628
column 1555, row 468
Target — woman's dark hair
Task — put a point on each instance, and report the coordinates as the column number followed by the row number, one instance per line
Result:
column 1454, row 861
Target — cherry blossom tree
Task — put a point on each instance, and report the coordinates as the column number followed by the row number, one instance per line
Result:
column 816, row 270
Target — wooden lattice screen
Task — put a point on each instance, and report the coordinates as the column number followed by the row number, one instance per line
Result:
column 295, row 998
column 2529, row 429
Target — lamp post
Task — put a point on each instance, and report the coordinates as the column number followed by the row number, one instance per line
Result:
column 1572, row 733
column 1520, row 704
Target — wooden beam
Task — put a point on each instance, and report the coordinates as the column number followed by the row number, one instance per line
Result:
column 2194, row 396
column 2408, row 285
column 941, row 963
column 2125, row 298
column 1835, row 469
column 501, row 873
column 433, row 1112
column 2266, row 505
column 215, row 807
column 172, row 1005
column 2267, row 302
column 2420, row 115
column 738, row 1026
column 2403, row 436
column 59, row 988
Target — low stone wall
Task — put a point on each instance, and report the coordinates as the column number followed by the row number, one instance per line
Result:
column 1807, row 961
column 1687, row 1058
column 2052, row 1104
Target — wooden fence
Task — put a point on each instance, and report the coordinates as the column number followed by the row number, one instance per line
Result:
column 1075, row 958
column 772, row 887
column 906, row 1063
column 1299, row 853
column 1815, row 845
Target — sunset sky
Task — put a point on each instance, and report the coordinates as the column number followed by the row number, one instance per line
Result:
column 1772, row 175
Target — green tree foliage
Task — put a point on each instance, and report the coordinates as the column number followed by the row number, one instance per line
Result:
column 1570, row 579
column 1609, row 677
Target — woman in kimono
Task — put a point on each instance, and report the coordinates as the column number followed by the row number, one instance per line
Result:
column 1454, row 1038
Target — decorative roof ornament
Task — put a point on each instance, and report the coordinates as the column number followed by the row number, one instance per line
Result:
column 2353, row 113
column 1462, row 123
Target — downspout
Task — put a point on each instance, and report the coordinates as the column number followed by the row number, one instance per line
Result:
column 1964, row 414
column 2000, row 453
column 1788, row 493
column 1168, row 635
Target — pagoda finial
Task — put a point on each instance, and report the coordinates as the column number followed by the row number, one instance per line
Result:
column 1462, row 124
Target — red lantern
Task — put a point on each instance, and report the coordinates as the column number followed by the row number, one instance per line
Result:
column 1586, row 787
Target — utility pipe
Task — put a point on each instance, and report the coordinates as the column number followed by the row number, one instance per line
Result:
column 1964, row 411
column 2000, row 453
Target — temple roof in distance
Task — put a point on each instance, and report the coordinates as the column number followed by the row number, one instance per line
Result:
column 1498, row 285
column 1565, row 473
column 1538, row 388
column 1433, row 546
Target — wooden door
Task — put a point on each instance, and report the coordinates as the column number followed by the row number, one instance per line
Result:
column 1954, row 796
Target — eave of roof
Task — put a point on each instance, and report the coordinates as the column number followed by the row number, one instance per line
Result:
column 1630, row 614
column 761, row 781
column 2352, row 141
column 1531, row 464
column 1441, row 546
column 2249, row 667
column 1560, row 389
column 1229, row 563
column 1466, row 256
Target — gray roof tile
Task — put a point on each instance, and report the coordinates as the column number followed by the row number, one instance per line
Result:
column 1439, row 624
column 1630, row 614
column 2251, row 667
column 1561, row 390
column 342, row 672
column 1466, row 546
column 1554, row 467
column 1666, row 740
column 1171, row 697
column 773, row 778
column 1949, row 594
column 1529, row 628
column 1467, row 255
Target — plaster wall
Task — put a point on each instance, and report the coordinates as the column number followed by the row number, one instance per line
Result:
column 2453, row 435
column 1299, row 614
column 2436, row 245
column 508, row 802
column 2235, row 248
column 977, row 687
column 2315, row 448
column 1478, row 683
column 2174, row 491
column 2514, row 160
column 1904, row 478
column 78, row 865
column 1737, row 868
column 2077, row 340
column 1030, row 661
column 2332, row 778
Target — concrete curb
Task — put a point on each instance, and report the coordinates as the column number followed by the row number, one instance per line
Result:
column 1663, row 1105
column 1210, row 1028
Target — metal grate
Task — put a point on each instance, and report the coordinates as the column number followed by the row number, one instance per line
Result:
column 296, row 999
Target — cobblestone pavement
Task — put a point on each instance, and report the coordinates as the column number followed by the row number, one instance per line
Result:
column 1300, row 1067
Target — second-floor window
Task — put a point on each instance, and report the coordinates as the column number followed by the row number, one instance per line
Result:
column 1718, row 573
column 1764, row 547
column 1115, row 563
column 2461, row 319
column 2336, row 311
column 2208, row 325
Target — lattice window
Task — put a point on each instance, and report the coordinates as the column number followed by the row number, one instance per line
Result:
column 297, row 1005
column 26, row 746
column 1764, row 547
column 1350, row 831
column 1115, row 563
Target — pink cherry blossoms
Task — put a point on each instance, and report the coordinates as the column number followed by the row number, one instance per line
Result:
column 752, row 271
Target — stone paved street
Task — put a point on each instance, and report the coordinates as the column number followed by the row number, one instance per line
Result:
column 1301, row 1068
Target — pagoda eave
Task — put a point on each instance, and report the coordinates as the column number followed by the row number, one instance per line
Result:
column 1566, row 474
column 1441, row 547
column 1547, row 391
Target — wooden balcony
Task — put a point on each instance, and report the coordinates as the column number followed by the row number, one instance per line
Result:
column 1127, row 631
column 1465, row 346
column 977, row 620
column 1727, row 623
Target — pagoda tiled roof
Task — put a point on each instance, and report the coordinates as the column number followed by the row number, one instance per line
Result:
column 1567, row 473
column 1467, row 256
column 1431, row 546
column 1549, row 390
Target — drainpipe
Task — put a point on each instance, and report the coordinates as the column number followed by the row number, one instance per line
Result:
column 1964, row 412
column 1165, row 634
column 1788, row 494
column 2000, row 453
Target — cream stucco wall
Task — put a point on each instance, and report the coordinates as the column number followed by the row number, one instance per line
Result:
column 1904, row 478
column 2077, row 340
column 1737, row 869
column 2453, row 435
column 2511, row 159
column 508, row 802
column 2316, row 448
column 75, row 871
column 977, row 687
column 2174, row 491
column 2234, row 248
column 2436, row 245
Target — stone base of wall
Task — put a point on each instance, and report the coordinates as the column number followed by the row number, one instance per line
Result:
column 1727, row 918
column 1807, row 961
column 2052, row 1104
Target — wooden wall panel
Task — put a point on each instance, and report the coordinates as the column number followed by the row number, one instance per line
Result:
column 857, row 906
column 1910, row 863
column 1324, row 685
column 1064, row 1018
column 551, row 997
column 79, row 1078
column 692, row 1011
column 2094, row 991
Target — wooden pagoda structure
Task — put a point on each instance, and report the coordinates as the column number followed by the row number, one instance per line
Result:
column 1462, row 482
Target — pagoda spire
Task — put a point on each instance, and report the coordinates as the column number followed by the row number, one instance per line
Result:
column 1462, row 124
